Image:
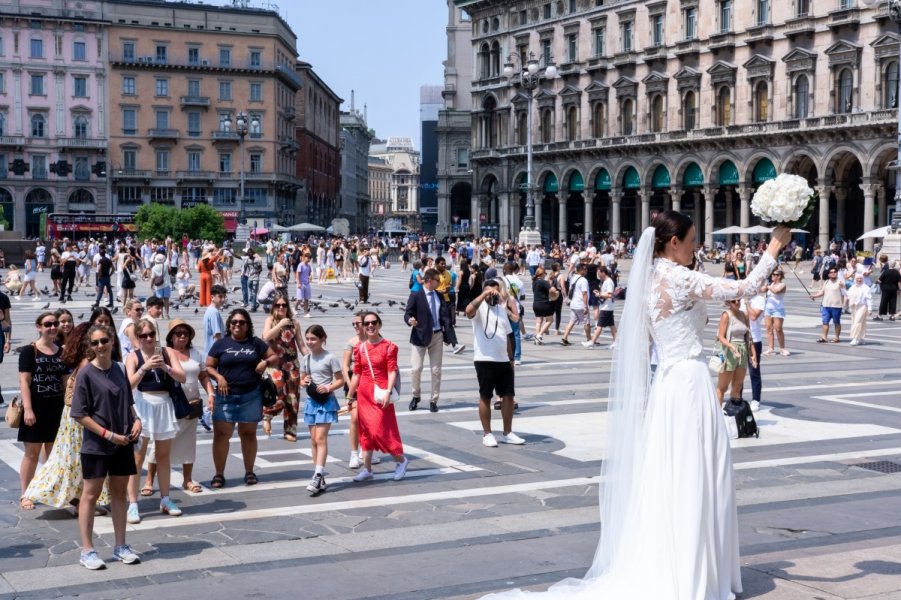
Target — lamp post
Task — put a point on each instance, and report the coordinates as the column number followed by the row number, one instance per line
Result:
column 528, row 76
column 241, row 129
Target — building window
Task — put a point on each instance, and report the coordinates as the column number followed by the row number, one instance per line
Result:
column 38, row 126
column 37, row 48
column 599, row 41
column 523, row 17
column 845, row 4
column 82, row 169
column 572, row 6
column 194, row 123
column 462, row 158
column 547, row 126
column 225, row 90
column 162, row 162
column 162, row 119
column 225, row 57
column 546, row 50
column 2, row 129
column 691, row 23
column 599, row 120
column 256, row 163
column 724, row 107
column 891, row 86
column 803, row 8
column 39, row 166
column 657, row 30
column 626, row 117
column 256, row 59
column 80, row 127
column 255, row 196
column 761, row 102
column 484, row 62
column 37, row 85
column 224, row 196
column 845, row 96
column 572, row 47
column 129, row 195
column 162, row 55
column 572, row 124
column 194, row 162
column 547, row 11
column 162, row 87
column 2, row 81
column 129, row 160
column 725, row 16
column 256, row 92
column 225, row 162
column 80, row 87
column 626, row 32
column 802, row 93
column 128, row 51
column 763, row 12
column 522, row 128
column 495, row 59
column 689, row 112
column 193, row 195
column 128, row 86
column 162, row 195
column 657, row 113
column 256, row 125
column 193, row 56
column 79, row 51
column 194, row 88
column 129, row 121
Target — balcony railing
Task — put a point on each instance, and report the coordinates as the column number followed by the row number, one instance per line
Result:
column 194, row 175
column 81, row 143
column 290, row 113
column 162, row 134
column 800, row 25
column 621, row 59
column 288, row 143
column 724, row 39
column 289, row 76
column 12, row 140
column 759, row 33
column 226, row 136
column 688, row 47
column 131, row 174
column 199, row 101
column 843, row 17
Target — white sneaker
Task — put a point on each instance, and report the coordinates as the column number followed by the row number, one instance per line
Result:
column 133, row 516
column 400, row 471
column 588, row 344
column 363, row 475
column 376, row 460
column 755, row 405
column 517, row 362
column 459, row 348
column 489, row 441
column 354, row 462
column 91, row 560
column 512, row 438
column 854, row 342
column 125, row 554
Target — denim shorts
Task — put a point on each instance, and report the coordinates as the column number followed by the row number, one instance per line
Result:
column 239, row 408
column 831, row 314
column 163, row 292
column 778, row 313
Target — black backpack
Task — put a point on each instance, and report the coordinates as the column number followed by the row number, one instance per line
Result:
column 744, row 418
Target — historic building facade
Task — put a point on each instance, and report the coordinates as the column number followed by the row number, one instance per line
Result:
column 319, row 158
column 380, row 173
column 454, row 128
column 179, row 77
column 404, row 161
column 684, row 104
column 53, row 112
column 355, row 142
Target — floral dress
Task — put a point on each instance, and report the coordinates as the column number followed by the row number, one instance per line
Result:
column 286, row 377
column 58, row 481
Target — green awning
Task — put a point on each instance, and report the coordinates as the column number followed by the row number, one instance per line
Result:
column 602, row 181
column 550, row 184
column 764, row 171
column 576, row 183
column 661, row 178
column 522, row 183
column 728, row 173
column 693, row 176
column 631, row 180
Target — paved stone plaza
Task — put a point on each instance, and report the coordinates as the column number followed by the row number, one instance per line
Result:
column 818, row 495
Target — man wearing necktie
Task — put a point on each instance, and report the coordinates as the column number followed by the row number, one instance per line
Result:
column 427, row 315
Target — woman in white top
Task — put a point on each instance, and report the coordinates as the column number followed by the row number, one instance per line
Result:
column 183, row 282
column 774, row 314
column 860, row 296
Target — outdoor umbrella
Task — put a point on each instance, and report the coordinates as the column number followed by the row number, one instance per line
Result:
column 260, row 231
column 728, row 230
column 278, row 229
column 876, row 233
column 305, row 228
column 757, row 229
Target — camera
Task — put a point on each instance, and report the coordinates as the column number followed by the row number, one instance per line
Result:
column 491, row 300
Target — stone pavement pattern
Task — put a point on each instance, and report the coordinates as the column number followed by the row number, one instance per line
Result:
column 818, row 492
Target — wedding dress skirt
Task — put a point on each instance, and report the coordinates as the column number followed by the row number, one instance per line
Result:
column 680, row 539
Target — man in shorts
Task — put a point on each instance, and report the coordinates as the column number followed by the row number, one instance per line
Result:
column 833, row 294
column 304, row 284
column 604, row 294
column 491, row 314
column 578, row 304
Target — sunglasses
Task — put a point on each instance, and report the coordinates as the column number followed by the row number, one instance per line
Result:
column 100, row 342
column 50, row 324
column 239, row 322
column 370, row 323
column 138, row 309
column 147, row 336
column 357, row 324
column 280, row 305
column 179, row 333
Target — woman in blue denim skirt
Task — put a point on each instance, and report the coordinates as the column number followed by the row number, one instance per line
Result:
column 236, row 363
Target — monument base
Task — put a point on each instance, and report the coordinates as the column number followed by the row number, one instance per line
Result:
column 891, row 246
column 530, row 237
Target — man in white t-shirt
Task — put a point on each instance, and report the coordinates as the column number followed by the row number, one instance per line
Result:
column 492, row 314
column 755, row 310
column 605, row 309
column 533, row 259
column 578, row 304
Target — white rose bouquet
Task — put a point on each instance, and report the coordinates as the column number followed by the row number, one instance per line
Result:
column 786, row 200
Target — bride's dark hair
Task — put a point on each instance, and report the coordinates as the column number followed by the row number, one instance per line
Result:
column 667, row 224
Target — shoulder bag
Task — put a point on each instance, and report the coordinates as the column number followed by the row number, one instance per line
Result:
column 14, row 413
column 394, row 396
column 717, row 362
column 314, row 394
column 177, row 393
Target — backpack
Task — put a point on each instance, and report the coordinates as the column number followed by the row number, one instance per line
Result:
column 412, row 279
column 740, row 410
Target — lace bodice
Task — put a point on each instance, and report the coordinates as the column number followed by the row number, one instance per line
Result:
column 676, row 305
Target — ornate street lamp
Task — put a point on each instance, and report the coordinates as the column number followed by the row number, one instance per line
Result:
column 894, row 11
column 528, row 76
column 243, row 125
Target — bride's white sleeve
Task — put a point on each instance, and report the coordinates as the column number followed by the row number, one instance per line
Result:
column 704, row 287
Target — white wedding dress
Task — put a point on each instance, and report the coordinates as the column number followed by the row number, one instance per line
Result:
column 676, row 529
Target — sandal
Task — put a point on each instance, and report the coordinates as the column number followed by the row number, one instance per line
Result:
column 769, row 353
column 267, row 427
column 193, row 487
column 26, row 503
column 250, row 478
column 218, row 482
column 497, row 405
column 290, row 437
column 146, row 491
column 835, row 341
column 785, row 352
column 821, row 341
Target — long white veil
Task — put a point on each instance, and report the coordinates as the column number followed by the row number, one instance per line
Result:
column 628, row 397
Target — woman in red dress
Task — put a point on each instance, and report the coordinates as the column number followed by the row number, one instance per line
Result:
column 205, row 267
column 375, row 363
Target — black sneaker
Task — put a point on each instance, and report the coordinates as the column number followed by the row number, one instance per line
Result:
column 565, row 342
column 317, row 485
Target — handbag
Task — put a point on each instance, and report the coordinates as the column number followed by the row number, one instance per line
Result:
column 268, row 392
column 717, row 362
column 394, row 396
column 314, row 394
column 177, row 394
column 14, row 413
column 553, row 294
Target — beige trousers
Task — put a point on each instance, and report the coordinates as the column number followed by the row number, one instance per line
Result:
column 435, row 350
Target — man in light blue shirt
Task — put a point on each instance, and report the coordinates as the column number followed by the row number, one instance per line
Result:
column 213, row 329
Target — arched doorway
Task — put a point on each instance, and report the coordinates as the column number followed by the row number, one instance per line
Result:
column 574, row 224
column 629, row 212
column 38, row 202
column 487, row 223
column 549, row 224
column 660, row 184
column 804, row 166
column 461, row 208
column 600, row 213
column 7, row 206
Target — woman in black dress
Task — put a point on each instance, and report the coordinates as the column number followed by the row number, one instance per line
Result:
column 542, row 305
column 42, row 384
column 464, row 287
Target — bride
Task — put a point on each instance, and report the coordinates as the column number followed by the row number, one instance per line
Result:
column 670, row 525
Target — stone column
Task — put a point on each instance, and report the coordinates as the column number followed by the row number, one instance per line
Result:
column 744, row 217
column 539, row 200
column 644, row 217
column 562, row 226
column 515, row 216
column 504, row 217
column 696, row 216
column 589, row 217
column 841, row 196
column 823, row 237
column 492, row 210
column 883, row 208
column 869, row 217
column 708, row 217
column 675, row 194
column 730, row 214
column 616, row 197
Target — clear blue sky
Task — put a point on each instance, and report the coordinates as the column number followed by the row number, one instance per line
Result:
column 383, row 49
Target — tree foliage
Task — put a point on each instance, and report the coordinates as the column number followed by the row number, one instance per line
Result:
column 199, row 222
